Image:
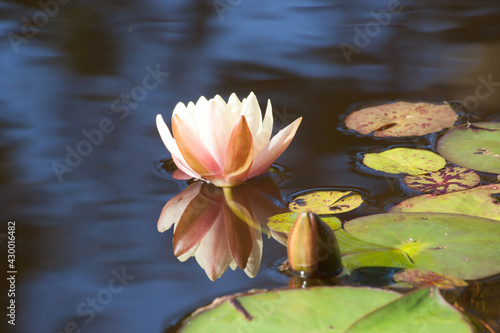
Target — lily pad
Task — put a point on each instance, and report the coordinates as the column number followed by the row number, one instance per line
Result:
column 424, row 310
column 284, row 222
column 463, row 246
column 475, row 146
column 358, row 253
column 402, row 119
column 450, row 179
column 422, row 278
column 327, row 309
column 476, row 201
column 326, row 202
column 405, row 160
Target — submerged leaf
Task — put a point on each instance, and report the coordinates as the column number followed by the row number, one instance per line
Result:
column 405, row 160
column 474, row 146
column 450, row 179
column 326, row 202
column 476, row 201
column 422, row 278
column 402, row 119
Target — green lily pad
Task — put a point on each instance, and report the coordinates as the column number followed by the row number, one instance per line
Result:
column 424, row 310
column 284, row 222
column 405, row 160
column 422, row 278
column 326, row 202
column 327, row 309
column 459, row 245
column 474, row 146
column 450, row 179
column 358, row 253
column 476, row 201
column 402, row 119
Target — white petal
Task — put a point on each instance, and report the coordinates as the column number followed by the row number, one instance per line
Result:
column 175, row 207
column 264, row 135
column 166, row 136
column 201, row 107
column 215, row 125
column 189, row 253
column 234, row 105
column 251, row 110
column 253, row 263
column 185, row 113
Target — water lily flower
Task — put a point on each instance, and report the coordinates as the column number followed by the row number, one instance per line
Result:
column 224, row 143
column 218, row 229
column 313, row 249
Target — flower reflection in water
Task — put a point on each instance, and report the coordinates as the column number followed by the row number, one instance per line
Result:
column 222, row 227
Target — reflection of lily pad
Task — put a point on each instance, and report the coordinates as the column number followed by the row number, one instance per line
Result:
column 475, row 201
column 446, row 180
column 463, row 246
column 405, row 160
column 326, row 202
column 475, row 146
column 402, row 119
column 284, row 222
column 327, row 309
column 422, row 278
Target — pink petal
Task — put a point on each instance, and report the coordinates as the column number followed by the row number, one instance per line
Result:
column 239, row 156
column 213, row 254
column 239, row 237
column 193, row 150
column 181, row 175
column 273, row 149
column 174, row 208
column 195, row 222
column 215, row 125
column 184, row 169
column 171, row 145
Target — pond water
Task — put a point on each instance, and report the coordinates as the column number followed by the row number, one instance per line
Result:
column 81, row 174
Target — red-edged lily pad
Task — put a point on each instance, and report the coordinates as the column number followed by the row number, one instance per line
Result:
column 477, row 201
column 450, row 179
column 402, row 119
column 423, row 278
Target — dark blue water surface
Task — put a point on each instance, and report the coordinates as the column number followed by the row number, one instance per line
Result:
column 77, row 68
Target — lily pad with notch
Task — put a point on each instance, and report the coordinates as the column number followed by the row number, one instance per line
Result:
column 463, row 246
column 481, row 201
column 449, row 179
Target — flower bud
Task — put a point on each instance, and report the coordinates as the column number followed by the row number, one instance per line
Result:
column 312, row 247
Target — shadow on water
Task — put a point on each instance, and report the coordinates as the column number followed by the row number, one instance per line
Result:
column 82, row 84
